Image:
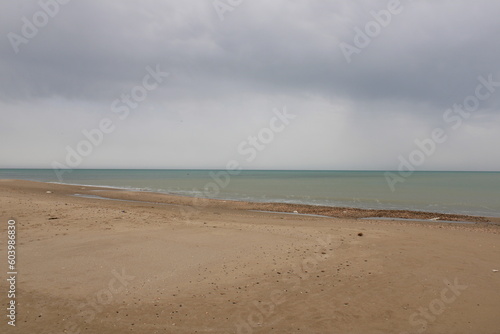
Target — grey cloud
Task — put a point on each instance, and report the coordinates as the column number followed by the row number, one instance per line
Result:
column 429, row 51
column 283, row 52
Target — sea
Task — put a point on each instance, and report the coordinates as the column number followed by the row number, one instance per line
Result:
column 471, row 193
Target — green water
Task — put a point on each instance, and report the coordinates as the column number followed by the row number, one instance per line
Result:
column 475, row 193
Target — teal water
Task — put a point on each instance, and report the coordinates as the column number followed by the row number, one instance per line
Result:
column 473, row 193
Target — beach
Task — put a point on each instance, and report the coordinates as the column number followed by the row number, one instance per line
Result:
column 102, row 260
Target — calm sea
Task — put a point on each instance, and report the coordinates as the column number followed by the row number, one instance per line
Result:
column 474, row 193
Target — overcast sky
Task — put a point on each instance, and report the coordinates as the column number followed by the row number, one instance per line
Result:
column 352, row 92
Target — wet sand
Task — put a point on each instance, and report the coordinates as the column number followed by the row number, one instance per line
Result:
column 154, row 263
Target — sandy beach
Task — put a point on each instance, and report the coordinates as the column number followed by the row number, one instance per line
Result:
column 155, row 263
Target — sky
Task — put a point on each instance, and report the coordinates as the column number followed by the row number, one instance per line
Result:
column 295, row 84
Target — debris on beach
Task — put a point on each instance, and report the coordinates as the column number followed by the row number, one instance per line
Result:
column 495, row 270
column 295, row 211
column 48, row 192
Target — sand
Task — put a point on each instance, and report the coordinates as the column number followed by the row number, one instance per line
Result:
column 153, row 263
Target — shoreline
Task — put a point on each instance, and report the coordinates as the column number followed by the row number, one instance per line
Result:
column 306, row 209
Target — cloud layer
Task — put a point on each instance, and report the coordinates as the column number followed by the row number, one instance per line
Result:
column 227, row 76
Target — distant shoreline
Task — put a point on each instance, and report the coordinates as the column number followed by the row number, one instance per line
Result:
column 455, row 193
column 150, row 197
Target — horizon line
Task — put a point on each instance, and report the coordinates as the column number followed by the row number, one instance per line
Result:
column 260, row 169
